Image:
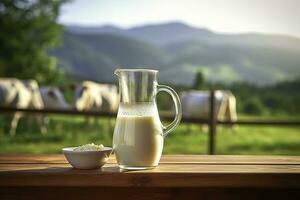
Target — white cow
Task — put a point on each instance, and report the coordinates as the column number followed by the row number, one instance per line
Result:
column 53, row 98
column 197, row 104
column 94, row 96
column 20, row 94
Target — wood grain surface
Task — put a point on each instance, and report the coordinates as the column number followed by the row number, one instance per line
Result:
column 186, row 159
column 193, row 176
column 173, row 171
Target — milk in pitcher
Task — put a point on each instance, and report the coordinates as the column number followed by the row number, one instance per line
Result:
column 138, row 136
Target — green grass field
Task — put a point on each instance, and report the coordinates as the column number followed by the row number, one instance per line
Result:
column 187, row 139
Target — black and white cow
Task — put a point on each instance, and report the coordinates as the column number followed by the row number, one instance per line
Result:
column 197, row 104
column 94, row 96
column 53, row 98
column 21, row 94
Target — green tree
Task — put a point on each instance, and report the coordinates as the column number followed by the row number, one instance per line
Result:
column 253, row 105
column 28, row 30
column 199, row 81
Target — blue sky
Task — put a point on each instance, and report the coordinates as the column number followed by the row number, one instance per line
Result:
column 233, row 16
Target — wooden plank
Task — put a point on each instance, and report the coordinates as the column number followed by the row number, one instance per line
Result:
column 58, row 111
column 90, row 113
column 230, row 159
column 212, row 124
column 56, row 158
column 280, row 122
column 173, row 171
column 145, row 193
column 162, row 168
column 83, row 193
column 262, row 122
column 227, row 180
column 166, row 175
column 179, row 159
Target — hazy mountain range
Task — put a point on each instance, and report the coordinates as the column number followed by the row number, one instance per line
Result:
column 178, row 51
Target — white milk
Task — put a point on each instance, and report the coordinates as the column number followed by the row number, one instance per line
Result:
column 138, row 136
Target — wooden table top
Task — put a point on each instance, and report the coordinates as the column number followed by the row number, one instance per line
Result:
column 173, row 171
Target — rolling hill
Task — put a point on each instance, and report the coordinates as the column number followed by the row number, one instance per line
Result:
column 260, row 65
column 96, row 56
column 179, row 51
column 177, row 32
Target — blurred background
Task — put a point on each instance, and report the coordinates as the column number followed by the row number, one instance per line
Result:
column 247, row 50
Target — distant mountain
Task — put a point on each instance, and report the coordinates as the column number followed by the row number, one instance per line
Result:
column 176, row 32
column 164, row 34
column 179, row 51
column 161, row 34
column 96, row 56
column 95, row 29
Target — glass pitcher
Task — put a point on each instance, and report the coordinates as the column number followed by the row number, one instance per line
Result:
column 139, row 135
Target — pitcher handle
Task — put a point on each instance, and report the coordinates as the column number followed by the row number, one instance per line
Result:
column 178, row 111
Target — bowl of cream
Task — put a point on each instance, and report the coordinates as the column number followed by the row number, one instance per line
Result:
column 88, row 156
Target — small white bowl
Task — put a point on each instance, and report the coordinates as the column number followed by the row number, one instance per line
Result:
column 87, row 159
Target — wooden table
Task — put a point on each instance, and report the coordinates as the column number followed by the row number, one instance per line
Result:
column 177, row 177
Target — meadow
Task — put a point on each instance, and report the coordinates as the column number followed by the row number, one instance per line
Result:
column 187, row 139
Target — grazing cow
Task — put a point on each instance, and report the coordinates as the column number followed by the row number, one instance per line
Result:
column 53, row 98
column 94, row 96
column 20, row 94
column 197, row 104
